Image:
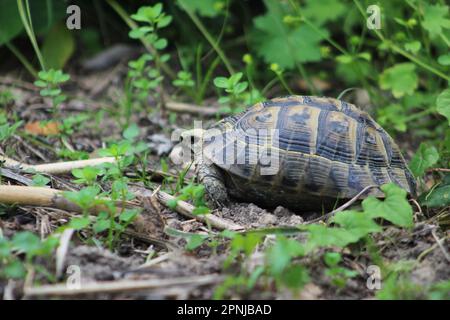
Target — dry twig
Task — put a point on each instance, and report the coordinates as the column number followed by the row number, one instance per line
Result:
column 343, row 207
column 121, row 286
column 186, row 209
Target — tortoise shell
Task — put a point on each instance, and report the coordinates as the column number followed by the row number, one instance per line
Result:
column 321, row 149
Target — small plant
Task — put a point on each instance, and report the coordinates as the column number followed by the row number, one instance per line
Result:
column 338, row 275
column 279, row 73
column 50, row 81
column 6, row 98
column 196, row 194
column 28, row 244
column 70, row 124
column 115, row 217
column 142, row 77
column 234, row 101
column 7, row 130
column 40, row 181
column 184, row 81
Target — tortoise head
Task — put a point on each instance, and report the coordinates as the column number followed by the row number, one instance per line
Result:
column 190, row 145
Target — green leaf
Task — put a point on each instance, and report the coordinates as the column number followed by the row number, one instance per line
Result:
column 424, row 158
column 443, row 104
column 86, row 175
column 5, row 249
column 295, row 277
column 101, row 225
column 278, row 43
column 79, row 223
column 281, row 253
column 439, row 196
column 39, row 180
column 413, row 46
column 394, row 208
column 172, row 203
column 26, row 241
column 58, row 47
column 205, row 8
column 201, row 210
column 164, row 22
column 128, row 215
column 160, row 44
column 10, row 22
column 131, row 132
column 15, row 270
column 359, row 224
column 393, row 115
column 401, row 79
column 322, row 236
column 221, row 82
column 332, row 259
column 244, row 243
column 195, row 241
column 85, row 198
column 435, row 19
column 324, row 10
column 444, row 60
column 40, row 83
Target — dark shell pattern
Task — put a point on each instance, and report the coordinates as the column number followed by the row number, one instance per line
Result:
column 327, row 149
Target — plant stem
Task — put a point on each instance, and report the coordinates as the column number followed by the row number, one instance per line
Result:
column 25, row 16
column 208, row 37
column 27, row 64
column 206, row 79
column 316, row 29
column 283, row 82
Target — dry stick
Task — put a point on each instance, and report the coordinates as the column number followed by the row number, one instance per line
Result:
column 192, row 108
column 61, row 251
column 186, row 209
column 57, row 167
column 438, row 170
column 68, row 166
column 343, row 207
column 14, row 176
column 120, row 286
column 438, row 241
column 53, row 198
column 42, row 197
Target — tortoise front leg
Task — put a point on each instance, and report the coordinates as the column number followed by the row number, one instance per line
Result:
column 213, row 180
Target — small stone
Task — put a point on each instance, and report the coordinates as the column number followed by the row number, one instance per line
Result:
column 295, row 220
column 281, row 212
column 267, row 219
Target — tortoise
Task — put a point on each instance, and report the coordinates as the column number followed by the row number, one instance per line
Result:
column 325, row 149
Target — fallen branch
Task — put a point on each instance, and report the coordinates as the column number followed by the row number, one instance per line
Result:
column 438, row 170
column 192, row 108
column 56, row 167
column 122, row 286
column 186, row 209
column 14, row 176
column 41, row 197
column 68, row 166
